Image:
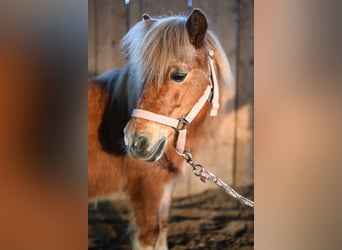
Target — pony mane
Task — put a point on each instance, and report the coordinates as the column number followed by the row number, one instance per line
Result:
column 154, row 44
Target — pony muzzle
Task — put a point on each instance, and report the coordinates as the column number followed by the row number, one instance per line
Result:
column 143, row 146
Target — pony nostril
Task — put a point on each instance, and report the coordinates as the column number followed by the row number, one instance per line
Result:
column 140, row 143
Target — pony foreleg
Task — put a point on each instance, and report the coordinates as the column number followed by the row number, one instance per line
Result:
column 151, row 206
column 164, row 215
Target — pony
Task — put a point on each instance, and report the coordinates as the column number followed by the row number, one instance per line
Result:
column 170, row 66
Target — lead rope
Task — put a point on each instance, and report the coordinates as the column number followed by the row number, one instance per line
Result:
column 205, row 175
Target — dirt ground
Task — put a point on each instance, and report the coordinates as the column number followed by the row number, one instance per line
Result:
column 209, row 220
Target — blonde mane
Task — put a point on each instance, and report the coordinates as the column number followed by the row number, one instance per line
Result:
column 166, row 40
column 154, row 44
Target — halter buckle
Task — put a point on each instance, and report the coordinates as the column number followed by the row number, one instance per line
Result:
column 182, row 120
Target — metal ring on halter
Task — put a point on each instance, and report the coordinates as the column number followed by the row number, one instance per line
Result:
column 187, row 156
column 182, row 120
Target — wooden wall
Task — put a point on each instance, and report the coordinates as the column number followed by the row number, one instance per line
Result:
column 228, row 153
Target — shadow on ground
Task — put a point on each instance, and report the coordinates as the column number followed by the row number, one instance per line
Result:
column 209, row 220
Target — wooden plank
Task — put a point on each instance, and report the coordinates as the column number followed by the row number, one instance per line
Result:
column 110, row 28
column 157, row 8
column 91, row 39
column 244, row 134
column 136, row 11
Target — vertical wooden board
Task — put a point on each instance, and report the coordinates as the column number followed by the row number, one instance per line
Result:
column 110, row 28
column 244, row 149
column 157, row 8
column 136, row 11
column 91, row 38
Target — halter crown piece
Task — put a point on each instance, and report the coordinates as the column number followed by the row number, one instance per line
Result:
column 211, row 93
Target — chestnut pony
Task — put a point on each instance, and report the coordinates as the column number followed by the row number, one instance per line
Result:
column 167, row 72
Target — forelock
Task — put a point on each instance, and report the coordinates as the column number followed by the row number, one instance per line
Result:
column 156, row 44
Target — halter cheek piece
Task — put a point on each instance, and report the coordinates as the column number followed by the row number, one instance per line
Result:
column 211, row 93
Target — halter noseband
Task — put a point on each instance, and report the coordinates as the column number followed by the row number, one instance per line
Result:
column 211, row 93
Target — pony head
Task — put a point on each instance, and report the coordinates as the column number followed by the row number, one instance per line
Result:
column 171, row 58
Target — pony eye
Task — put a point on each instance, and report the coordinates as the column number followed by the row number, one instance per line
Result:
column 178, row 75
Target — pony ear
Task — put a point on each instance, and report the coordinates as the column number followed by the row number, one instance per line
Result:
column 197, row 25
column 146, row 16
